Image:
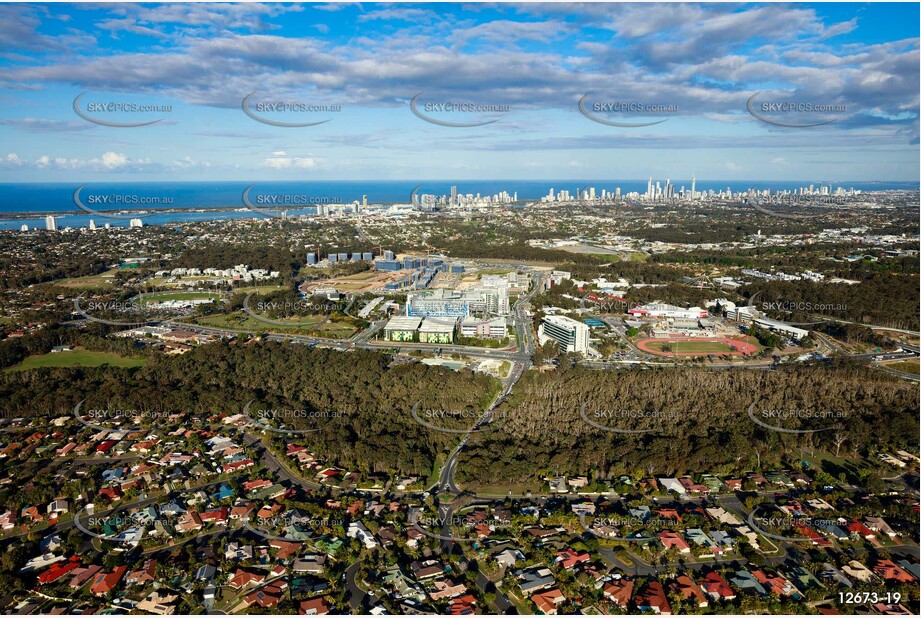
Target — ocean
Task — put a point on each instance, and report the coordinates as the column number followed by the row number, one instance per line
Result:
column 224, row 200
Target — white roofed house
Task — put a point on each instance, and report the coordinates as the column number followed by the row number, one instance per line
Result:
column 357, row 530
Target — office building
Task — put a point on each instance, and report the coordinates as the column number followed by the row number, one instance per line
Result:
column 662, row 310
column 437, row 330
column 388, row 265
column 495, row 328
column 776, row 326
column 401, row 328
column 572, row 335
column 437, row 303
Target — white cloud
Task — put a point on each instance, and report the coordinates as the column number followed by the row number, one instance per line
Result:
column 282, row 162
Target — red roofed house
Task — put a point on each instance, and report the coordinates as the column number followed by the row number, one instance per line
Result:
column 653, row 598
column 716, row 587
column 267, row 596
column 858, row 529
column 105, row 446
column 569, row 558
column 144, row 575
column 671, row 539
column 258, row 484
column 548, row 600
column 237, row 465
column 812, row 535
column 619, row 592
column 775, row 584
column 890, row 571
column 104, row 583
column 58, row 570
column 462, row 606
column 217, row 516
column 110, row 493
column 243, row 578
column 314, row 607
column 685, row 587
column 285, row 548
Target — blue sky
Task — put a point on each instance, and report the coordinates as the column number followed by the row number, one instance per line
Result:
column 537, row 60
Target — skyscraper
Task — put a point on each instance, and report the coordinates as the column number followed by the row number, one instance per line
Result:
column 50, row 223
column 693, row 188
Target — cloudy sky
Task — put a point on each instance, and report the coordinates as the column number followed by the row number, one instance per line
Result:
column 527, row 66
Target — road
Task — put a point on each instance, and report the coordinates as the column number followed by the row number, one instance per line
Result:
column 522, row 362
column 360, row 601
column 273, row 464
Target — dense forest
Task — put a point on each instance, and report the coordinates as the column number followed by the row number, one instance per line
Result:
column 880, row 299
column 698, row 421
column 372, row 431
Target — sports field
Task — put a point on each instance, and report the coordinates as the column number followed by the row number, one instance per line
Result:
column 689, row 346
column 77, row 358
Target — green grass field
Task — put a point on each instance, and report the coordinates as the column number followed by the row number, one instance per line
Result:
column 691, row 347
column 77, row 358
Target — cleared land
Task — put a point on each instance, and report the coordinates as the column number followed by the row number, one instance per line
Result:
column 365, row 281
column 906, row 366
column 316, row 325
column 159, row 297
column 77, row 358
column 93, row 282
